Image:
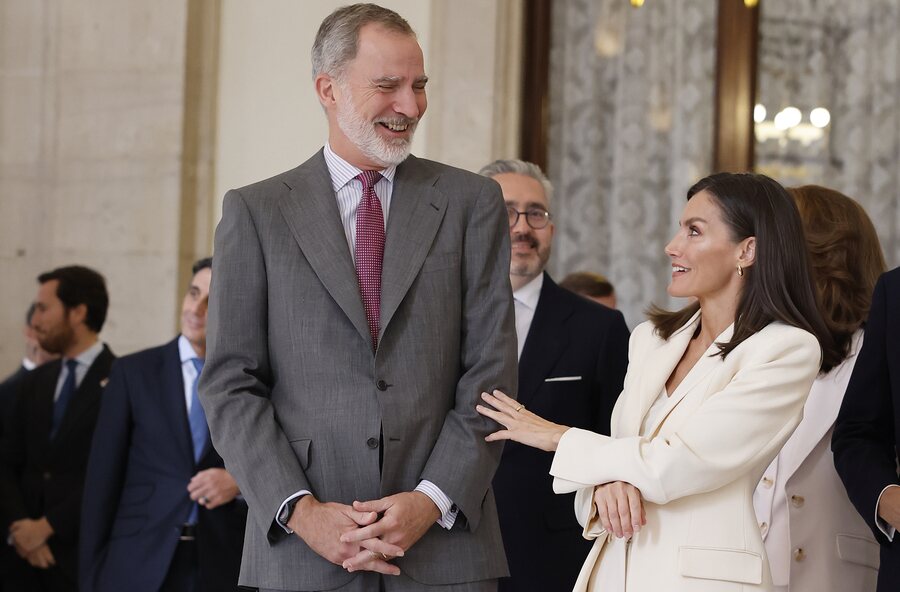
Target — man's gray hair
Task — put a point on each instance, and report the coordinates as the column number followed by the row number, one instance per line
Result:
column 519, row 167
column 338, row 37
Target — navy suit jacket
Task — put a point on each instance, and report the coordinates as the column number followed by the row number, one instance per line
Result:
column 867, row 432
column 135, row 496
column 40, row 477
column 570, row 336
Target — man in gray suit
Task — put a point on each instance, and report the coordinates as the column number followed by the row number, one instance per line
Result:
column 360, row 305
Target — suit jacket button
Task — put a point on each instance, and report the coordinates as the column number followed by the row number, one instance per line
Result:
column 372, row 442
column 799, row 554
column 797, row 501
column 381, row 385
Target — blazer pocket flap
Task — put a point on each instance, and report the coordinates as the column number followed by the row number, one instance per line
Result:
column 728, row 565
column 301, row 450
column 563, row 379
column 857, row 549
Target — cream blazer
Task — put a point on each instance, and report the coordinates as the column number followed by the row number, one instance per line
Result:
column 696, row 466
column 814, row 537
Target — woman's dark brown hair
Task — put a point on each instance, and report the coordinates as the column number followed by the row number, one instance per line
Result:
column 846, row 258
column 779, row 285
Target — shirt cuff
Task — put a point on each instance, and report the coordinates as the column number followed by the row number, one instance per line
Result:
column 882, row 525
column 447, row 508
column 284, row 510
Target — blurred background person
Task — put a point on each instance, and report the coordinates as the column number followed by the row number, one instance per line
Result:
column 35, row 355
column 814, row 537
column 712, row 393
column 572, row 360
column 152, row 464
column 591, row 285
column 45, row 452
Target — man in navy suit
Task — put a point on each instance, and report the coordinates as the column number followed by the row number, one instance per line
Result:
column 867, row 432
column 45, row 450
column 572, row 358
column 160, row 512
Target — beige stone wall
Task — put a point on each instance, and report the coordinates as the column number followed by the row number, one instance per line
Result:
column 92, row 98
column 123, row 123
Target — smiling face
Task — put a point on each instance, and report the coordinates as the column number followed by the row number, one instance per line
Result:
column 375, row 104
column 705, row 255
column 530, row 247
column 193, row 311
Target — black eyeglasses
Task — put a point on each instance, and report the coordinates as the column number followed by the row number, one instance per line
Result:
column 534, row 217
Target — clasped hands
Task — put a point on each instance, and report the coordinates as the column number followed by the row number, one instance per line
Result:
column 30, row 540
column 620, row 507
column 366, row 535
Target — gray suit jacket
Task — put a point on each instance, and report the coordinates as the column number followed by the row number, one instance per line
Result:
column 295, row 397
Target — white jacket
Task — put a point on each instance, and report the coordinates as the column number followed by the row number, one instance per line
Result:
column 697, row 466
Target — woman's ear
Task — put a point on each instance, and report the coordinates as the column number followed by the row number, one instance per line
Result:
column 747, row 255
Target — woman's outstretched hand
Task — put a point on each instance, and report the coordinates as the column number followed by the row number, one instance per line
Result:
column 620, row 508
column 521, row 425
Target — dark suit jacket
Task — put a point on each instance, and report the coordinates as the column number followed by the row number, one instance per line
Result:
column 569, row 337
column 867, row 432
column 43, row 478
column 9, row 388
column 135, row 496
column 296, row 398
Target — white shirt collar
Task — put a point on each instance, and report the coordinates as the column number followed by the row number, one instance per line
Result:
column 87, row 357
column 342, row 172
column 185, row 350
column 530, row 293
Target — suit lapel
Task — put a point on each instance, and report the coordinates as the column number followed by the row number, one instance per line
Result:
column 820, row 412
column 172, row 401
column 709, row 361
column 45, row 388
column 662, row 358
column 87, row 394
column 417, row 208
column 312, row 215
column 545, row 341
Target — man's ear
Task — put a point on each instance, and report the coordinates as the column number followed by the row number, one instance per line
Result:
column 77, row 314
column 326, row 87
column 747, row 256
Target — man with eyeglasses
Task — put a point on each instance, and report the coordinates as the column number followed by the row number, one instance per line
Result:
column 572, row 358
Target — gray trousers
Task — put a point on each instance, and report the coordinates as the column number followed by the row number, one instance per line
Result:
column 375, row 582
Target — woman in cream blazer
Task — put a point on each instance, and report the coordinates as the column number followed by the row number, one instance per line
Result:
column 815, row 539
column 712, row 393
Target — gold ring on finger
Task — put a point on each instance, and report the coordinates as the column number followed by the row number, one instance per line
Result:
column 384, row 557
column 519, row 408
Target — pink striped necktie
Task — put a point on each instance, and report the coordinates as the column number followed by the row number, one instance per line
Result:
column 370, row 250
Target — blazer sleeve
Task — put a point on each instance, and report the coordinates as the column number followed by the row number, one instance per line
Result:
column 739, row 426
column 461, row 463
column 105, row 476
column 235, row 383
column 864, row 439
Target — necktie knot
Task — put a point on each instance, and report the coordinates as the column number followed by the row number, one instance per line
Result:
column 71, row 365
column 369, row 179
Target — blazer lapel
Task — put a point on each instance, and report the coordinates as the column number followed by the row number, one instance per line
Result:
column 820, row 412
column 312, row 215
column 43, row 404
column 173, row 404
column 663, row 358
column 417, row 208
column 709, row 361
column 544, row 343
